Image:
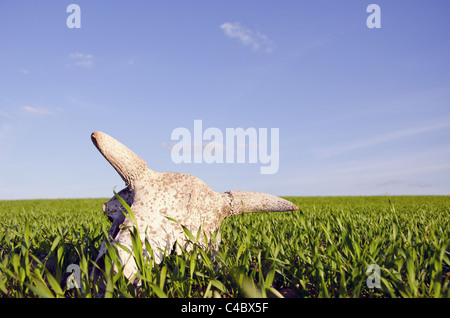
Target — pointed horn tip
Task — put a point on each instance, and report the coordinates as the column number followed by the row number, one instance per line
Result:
column 95, row 136
column 285, row 205
column 100, row 139
column 260, row 202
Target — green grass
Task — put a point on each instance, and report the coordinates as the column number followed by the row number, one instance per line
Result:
column 323, row 250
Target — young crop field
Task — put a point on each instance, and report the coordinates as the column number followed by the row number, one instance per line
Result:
column 332, row 247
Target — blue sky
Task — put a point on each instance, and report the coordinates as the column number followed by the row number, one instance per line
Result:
column 360, row 111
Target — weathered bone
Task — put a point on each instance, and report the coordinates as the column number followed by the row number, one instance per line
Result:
column 154, row 196
column 249, row 201
column 127, row 164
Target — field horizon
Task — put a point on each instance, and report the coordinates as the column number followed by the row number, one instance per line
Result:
column 281, row 196
column 328, row 248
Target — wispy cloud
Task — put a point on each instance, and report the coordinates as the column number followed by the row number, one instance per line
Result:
column 194, row 147
column 6, row 130
column 321, row 40
column 81, row 59
column 166, row 145
column 389, row 183
column 394, row 168
column 35, row 110
column 422, row 184
column 417, row 171
column 310, row 46
column 409, row 184
column 382, row 138
column 24, row 71
column 6, row 115
column 254, row 39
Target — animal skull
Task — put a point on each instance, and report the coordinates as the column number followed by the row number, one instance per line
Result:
column 155, row 196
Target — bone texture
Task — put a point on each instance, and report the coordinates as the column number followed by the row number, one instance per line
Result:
column 154, row 196
column 127, row 164
column 249, row 201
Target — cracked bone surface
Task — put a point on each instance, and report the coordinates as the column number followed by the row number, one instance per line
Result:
column 155, row 196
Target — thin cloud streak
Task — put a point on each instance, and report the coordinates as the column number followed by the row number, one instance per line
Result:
column 254, row 39
column 420, row 172
column 382, row 138
column 81, row 59
column 6, row 115
column 37, row 110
